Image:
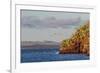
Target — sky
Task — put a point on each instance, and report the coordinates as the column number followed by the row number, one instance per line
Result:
column 50, row 25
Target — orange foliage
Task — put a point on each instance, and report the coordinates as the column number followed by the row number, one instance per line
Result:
column 78, row 43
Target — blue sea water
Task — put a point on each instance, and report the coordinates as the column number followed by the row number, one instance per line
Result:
column 45, row 55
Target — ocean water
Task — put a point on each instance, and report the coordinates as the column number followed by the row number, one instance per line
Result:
column 48, row 54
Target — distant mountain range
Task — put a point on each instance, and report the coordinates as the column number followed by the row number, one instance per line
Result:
column 39, row 44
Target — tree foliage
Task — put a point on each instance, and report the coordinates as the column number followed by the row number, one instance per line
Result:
column 78, row 43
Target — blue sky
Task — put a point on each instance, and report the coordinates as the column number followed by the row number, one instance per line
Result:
column 50, row 25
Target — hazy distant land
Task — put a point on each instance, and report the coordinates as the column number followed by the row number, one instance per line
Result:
column 39, row 44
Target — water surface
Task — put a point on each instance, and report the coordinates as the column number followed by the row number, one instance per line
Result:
column 48, row 54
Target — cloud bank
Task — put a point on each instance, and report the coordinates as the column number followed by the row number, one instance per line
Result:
column 48, row 22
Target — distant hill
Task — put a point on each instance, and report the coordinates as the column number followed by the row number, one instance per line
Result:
column 78, row 43
column 39, row 44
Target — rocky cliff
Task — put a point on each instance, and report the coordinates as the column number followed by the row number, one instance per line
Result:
column 78, row 43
